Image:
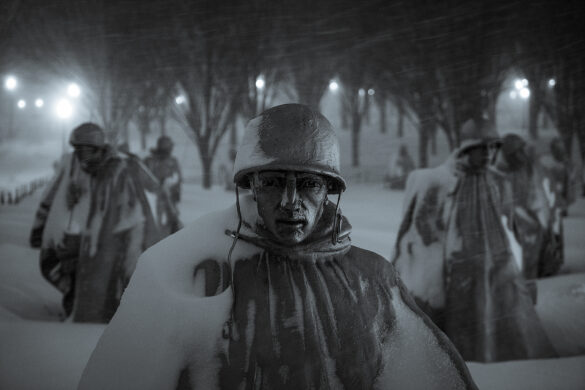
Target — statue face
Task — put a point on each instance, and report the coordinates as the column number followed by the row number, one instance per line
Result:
column 479, row 156
column 290, row 203
column 90, row 157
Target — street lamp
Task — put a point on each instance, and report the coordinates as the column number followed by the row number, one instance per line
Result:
column 73, row 90
column 371, row 92
column 10, row 83
column 524, row 93
column 21, row 104
column 552, row 83
column 39, row 103
column 260, row 83
column 333, row 86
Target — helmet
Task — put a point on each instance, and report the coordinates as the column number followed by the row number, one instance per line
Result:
column 475, row 133
column 88, row 134
column 164, row 144
column 289, row 137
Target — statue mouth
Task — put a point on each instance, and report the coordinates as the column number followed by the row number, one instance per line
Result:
column 292, row 221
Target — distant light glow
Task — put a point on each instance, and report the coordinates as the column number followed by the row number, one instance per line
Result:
column 552, row 83
column 362, row 92
column 513, row 94
column 64, row 109
column 21, row 104
column 39, row 103
column 333, row 86
column 524, row 93
column 180, row 99
column 518, row 84
column 260, row 82
column 10, row 83
column 371, row 92
column 73, row 90
column 524, row 82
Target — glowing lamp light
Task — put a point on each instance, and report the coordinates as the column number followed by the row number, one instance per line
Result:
column 371, row 92
column 39, row 103
column 21, row 104
column 513, row 94
column 333, row 86
column 10, row 83
column 260, row 83
column 552, row 83
column 64, row 109
column 362, row 92
column 73, row 90
column 524, row 93
column 518, row 84
column 180, row 99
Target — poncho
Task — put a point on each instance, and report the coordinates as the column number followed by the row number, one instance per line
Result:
column 320, row 315
column 454, row 252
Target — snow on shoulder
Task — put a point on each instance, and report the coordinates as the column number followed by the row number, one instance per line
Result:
column 163, row 310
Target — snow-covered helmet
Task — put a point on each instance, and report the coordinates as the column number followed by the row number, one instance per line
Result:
column 475, row 133
column 88, row 134
column 289, row 137
column 164, row 144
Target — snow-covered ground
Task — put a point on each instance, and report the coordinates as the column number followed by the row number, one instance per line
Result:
column 39, row 352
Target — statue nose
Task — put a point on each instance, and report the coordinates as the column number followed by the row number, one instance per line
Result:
column 290, row 194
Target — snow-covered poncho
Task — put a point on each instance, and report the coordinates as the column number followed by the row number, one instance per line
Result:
column 90, row 250
column 457, row 255
column 525, row 200
column 168, row 172
column 320, row 315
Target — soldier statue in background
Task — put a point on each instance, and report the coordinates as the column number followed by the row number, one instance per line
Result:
column 167, row 171
column 91, row 225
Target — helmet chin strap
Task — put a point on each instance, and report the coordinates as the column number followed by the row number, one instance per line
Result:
column 336, row 221
column 228, row 329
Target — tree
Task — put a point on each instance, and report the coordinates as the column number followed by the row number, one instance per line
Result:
column 313, row 47
column 207, row 73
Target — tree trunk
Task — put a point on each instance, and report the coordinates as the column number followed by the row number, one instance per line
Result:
column 400, row 125
column 382, row 107
column 426, row 127
column 144, row 128
column 343, row 113
column 355, row 137
column 206, row 163
column 534, row 105
column 233, row 142
column 434, row 141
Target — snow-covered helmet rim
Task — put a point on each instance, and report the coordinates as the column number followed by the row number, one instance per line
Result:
column 290, row 137
column 88, row 134
column 336, row 183
column 476, row 133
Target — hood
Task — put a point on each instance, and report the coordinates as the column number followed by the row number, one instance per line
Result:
column 318, row 244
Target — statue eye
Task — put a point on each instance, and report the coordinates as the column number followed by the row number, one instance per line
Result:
column 272, row 182
column 311, row 183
